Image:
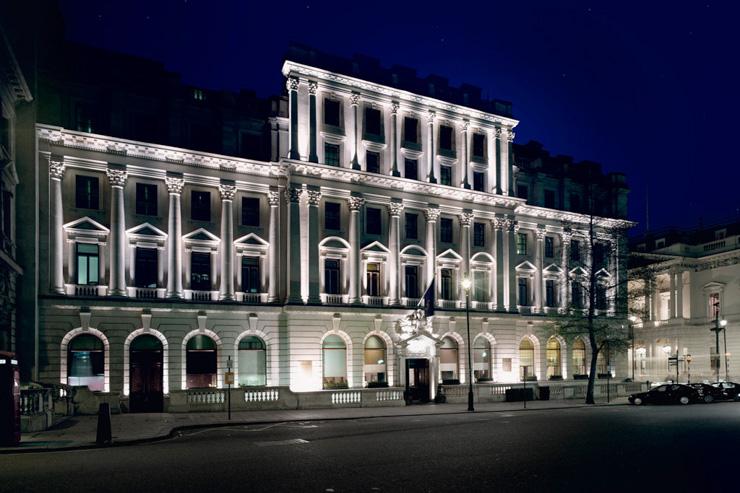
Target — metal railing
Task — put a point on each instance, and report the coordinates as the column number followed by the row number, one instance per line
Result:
column 86, row 290
column 146, row 293
column 334, row 299
column 374, row 300
column 200, row 295
column 252, row 298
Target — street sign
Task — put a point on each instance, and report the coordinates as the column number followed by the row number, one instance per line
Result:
column 229, row 378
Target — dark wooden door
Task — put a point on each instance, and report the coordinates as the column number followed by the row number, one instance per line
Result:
column 417, row 380
column 146, row 381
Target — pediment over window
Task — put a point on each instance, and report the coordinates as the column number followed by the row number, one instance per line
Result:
column 553, row 269
column 449, row 254
column 251, row 239
column 86, row 224
column 375, row 246
column 603, row 273
column 482, row 257
column 335, row 243
column 201, row 235
column 713, row 286
column 147, row 230
column 578, row 272
column 414, row 250
column 526, row 266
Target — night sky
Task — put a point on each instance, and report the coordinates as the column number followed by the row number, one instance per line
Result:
column 646, row 88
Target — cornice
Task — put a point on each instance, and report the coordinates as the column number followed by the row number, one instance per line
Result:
column 572, row 217
column 337, row 81
column 12, row 76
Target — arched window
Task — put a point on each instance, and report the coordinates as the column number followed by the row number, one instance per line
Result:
column 526, row 360
column 252, row 362
column 482, row 360
column 86, row 362
column 554, row 361
column 579, row 358
column 376, row 364
column 449, row 360
column 334, row 353
column 201, row 362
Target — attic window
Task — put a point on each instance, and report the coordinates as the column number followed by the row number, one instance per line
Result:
column 198, row 95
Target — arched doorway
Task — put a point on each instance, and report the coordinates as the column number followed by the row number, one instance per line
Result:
column 554, row 360
column 579, row 359
column 145, row 370
column 449, row 361
column 201, row 358
column 252, row 362
column 376, row 364
column 526, row 360
column 334, row 354
column 86, row 362
column 482, row 360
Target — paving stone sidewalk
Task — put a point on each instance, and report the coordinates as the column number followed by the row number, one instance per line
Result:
column 80, row 431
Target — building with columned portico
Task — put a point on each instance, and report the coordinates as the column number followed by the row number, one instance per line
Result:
column 160, row 268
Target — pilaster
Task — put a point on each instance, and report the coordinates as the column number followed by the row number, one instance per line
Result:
column 174, row 237
column 292, row 85
column 117, row 180
column 56, row 214
column 226, row 288
column 394, row 243
column 355, row 208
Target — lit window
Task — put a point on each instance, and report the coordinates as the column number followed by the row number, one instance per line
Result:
column 252, row 362
column 373, row 279
column 521, row 244
column 86, row 362
column 88, row 264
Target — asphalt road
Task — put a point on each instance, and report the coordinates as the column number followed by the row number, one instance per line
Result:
column 624, row 448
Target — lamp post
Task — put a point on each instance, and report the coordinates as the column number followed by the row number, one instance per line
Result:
column 724, row 336
column 719, row 325
column 688, row 368
column 466, row 286
column 632, row 319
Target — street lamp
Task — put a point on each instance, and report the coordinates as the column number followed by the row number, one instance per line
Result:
column 719, row 325
column 466, row 286
column 632, row 319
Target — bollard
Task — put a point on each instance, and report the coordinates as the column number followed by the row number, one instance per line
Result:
column 104, row 436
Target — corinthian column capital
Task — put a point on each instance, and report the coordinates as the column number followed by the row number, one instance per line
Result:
column 117, row 177
column 56, row 168
column 174, row 185
column 227, row 192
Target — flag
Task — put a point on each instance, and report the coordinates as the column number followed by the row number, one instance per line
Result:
column 427, row 301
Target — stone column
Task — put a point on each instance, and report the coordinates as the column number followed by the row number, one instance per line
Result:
column 539, row 255
column 466, row 218
column 432, row 215
column 512, row 228
column 354, row 100
column 273, row 198
column 679, row 294
column 672, row 295
column 394, row 139
column 507, row 163
column 465, row 158
column 294, row 246
column 355, row 280
column 292, row 85
column 56, row 215
column 226, row 288
column 174, row 238
column 492, row 159
column 565, row 254
column 497, row 252
column 499, row 174
column 314, row 199
column 117, row 180
column 394, row 243
column 312, row 155
column 431, row 150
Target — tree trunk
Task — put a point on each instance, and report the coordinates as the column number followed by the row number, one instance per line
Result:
column 592, row 373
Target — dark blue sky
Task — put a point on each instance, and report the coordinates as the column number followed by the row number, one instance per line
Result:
column 647, row 88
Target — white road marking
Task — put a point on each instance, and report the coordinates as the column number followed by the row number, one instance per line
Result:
column 294, row 441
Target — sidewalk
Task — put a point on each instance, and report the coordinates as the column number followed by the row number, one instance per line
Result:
column 80, row 431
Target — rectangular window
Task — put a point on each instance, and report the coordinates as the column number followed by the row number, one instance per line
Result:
column 146, row 199
column 200, row 271
column 331, row 154
column 599, row 259
column 410, row 130
column 445, row 175
column 480, row 286
column 479, row 146
column 373, row 224
column 331, row 112
column 332, row 215
column 87, row 192
column 411, row 169
column 479, row 181
column 88, row 264
column 446, row 287
column 576, row 295
column 445, row 138
column 575, row 250
column 251, row 275
column 550, row 199
column 372, row 162
column 550, row 293
column 412, row 226
column 445, row 230
column 7, row 199
column 84, row 117
column 331, row 276
column 146, row 268
column 479, row 234
column 200, row 206
column 372, row 122
column 575, row 202
column 523, row 292
column 601, row 298
column 373, row 279
column 521, row 244
column 522, row 191
column 549, row 247
column 714, row 305
column 411, row 273
column 250, row 211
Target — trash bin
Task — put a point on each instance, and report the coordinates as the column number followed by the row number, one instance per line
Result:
column 545, row 393
column 10, row 400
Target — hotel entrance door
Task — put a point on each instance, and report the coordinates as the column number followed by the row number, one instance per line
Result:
column 417, row 380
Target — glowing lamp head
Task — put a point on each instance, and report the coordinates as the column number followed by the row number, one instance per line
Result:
column 466, row 284
column 723, row 323
column 632, row 318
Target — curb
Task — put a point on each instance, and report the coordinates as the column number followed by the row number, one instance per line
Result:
column 177, row 430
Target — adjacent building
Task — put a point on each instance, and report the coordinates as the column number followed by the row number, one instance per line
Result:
column 161, row 267
column 683, row 284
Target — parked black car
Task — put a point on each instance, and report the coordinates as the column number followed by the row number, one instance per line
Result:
column 731, row 389
column 708, row 393
column 669, row 393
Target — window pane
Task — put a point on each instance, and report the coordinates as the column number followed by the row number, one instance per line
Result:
column 373, row 226
column 411, row 170
column 331, row 112
column 250, row 211
column 411, row 226
column 445, row 175
column 200, row 206
column 331, row 154
column 332, row 215
column 372, row 162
